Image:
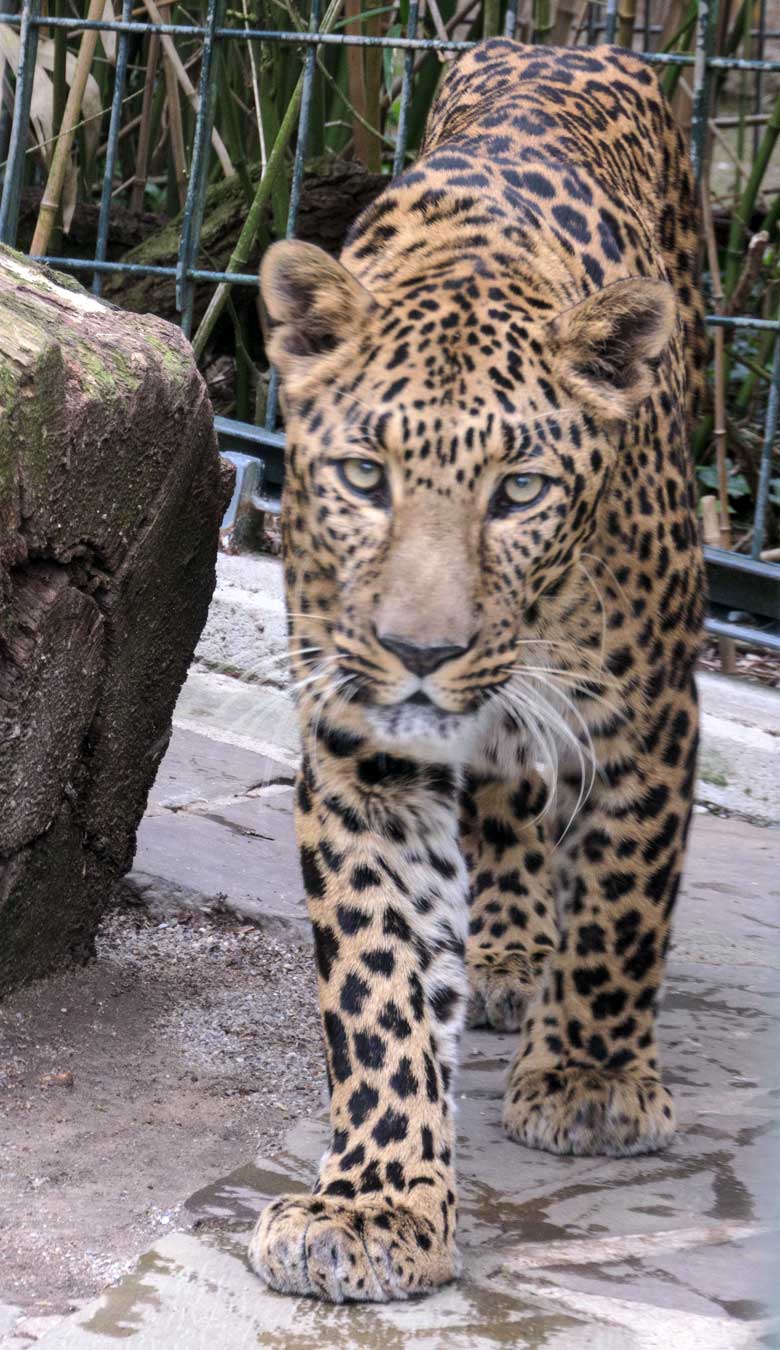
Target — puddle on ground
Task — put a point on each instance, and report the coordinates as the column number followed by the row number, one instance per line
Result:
column 121, row 1313
column 241, row 1194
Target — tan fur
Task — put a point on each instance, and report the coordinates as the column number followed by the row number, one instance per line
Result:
column 496, row 700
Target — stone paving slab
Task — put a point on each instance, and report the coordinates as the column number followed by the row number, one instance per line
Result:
column 198, row 769
column 219, row 830
column 675, row 1250
column 665, row 1252
column 239, row 855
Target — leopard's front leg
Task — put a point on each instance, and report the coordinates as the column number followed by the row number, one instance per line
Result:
column 513, row 927
column 587, row 1076
column 386, row 887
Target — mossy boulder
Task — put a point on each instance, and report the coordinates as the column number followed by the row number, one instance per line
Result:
column 110, row 501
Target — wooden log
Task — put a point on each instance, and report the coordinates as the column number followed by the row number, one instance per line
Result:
column 331, row 200
column 110, row 501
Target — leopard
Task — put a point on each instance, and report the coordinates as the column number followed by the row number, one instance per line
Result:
column 495, row 592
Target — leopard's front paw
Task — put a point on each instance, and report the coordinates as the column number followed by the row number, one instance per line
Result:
column 501, row 986
column 334, row 1250
column 588, row 1111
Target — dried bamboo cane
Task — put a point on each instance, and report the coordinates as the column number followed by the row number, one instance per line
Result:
column 542, row 20
column 188, row 87
column 175, row 126
column 47, row 214
column 145, row 133
column 626, row 16
column 716, row 531
column 719, row 431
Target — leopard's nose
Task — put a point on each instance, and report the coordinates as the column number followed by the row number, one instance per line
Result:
column 420, row 660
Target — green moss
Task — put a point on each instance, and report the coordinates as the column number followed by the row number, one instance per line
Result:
column 177, row 363
column 714, row 778
column 23, row 429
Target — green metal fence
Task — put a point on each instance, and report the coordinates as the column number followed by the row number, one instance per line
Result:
column 744, row 591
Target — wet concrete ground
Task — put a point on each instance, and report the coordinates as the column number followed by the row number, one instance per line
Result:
column 660, row 1253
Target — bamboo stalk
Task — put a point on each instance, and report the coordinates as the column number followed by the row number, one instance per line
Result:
column 744, row 399
column 711, row 531
column 741, row 218
column 626, row 17
column 438, row 22
column 461, row 16
column 717, row 135
column 47, row 214
column 491, row 18
column 240, row 254
column 373, row 78
column 542, row 19
column 750, row 271
column 367, row 147
column 59, row 97
column 169, row 48
column 354, row 114
column 772, row 215
column 719, row 430
column 145, row 133
column 175, row 125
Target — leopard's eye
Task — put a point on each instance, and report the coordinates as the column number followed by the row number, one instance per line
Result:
column 521, row 489
column 363, row 475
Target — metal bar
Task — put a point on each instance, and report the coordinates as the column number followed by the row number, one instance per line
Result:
column 759, row 90
column 706, row 21
column 740, row 632
column 510, row 19
column 12, row 186
column 406, row 93
column 610, row 21
column 743, row 321
column 767, row 453
column 120, row 75
column 143, row 269
column 746, row 321
column 196, row 186
column 351, row 40
column 739, row 582
column 304, row 121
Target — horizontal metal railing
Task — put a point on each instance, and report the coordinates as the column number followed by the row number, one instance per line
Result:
column 753, row 586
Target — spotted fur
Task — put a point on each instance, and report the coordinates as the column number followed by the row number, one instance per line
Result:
column 496, row 702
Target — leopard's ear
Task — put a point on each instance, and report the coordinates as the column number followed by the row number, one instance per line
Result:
column 311, row 308
column 605, row 346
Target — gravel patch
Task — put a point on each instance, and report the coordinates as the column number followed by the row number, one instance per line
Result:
column 182, row 1051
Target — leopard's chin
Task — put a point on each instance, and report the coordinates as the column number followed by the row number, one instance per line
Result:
column 422, row 731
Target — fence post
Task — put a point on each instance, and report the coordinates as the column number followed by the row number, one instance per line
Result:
column 304, row 118
column 767, row 452
column 406, row 94
column 120, row 74
column 706, row 27
column 12, row 187
column 196, row 187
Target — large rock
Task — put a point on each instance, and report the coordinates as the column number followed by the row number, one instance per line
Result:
column 110, row 501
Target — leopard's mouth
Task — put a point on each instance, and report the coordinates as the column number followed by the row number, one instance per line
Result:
column 420, row 728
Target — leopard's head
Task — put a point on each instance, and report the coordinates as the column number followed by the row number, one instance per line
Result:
column 451, row 449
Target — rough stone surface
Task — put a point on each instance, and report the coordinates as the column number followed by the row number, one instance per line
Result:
column 677, row 1249
column 109, row 510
